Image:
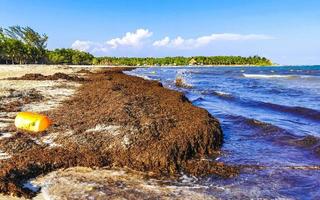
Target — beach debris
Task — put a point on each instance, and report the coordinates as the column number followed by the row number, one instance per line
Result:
column 32, row 122
column 40, row 77
column 143, row 126
column 84, row 71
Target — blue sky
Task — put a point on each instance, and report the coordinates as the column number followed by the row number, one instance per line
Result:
column 287, row 31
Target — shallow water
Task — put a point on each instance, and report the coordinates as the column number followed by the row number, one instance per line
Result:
column 263, row 112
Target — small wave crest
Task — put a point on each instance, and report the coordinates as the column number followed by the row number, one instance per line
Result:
column 275, row 133
column 264, row 127
column 219, row 94
column 143, row 76
column 293, row 110
column 269, row 76
column 181, row 79
column 181, row 82
column 308, row 142
column 302, row 111
column 222, row 94
column 198, row 99
column 132, row 73
column 281, row 76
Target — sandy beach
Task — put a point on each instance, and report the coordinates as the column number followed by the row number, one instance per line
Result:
column 107, row 122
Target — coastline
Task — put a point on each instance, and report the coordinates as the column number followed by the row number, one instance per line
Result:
column 117, row 120
column 124, row 66
column 151, row 66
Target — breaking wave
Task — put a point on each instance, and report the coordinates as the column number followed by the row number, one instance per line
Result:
column 301, row 111
column 181, row 79
column 278, row 76
column 295, row 110
column 269, row 76
column 221, row 94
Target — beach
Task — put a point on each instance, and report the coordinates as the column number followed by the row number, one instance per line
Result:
column 270, row 120
column 159, row 100
column 161, row 132
column 103, row 120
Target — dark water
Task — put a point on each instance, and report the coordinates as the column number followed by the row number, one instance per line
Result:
column 267, row 114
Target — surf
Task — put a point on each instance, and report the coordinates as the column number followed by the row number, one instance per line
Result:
column 269, row 76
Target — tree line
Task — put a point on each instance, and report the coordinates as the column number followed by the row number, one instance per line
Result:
column 23, row 45
column 182, row 61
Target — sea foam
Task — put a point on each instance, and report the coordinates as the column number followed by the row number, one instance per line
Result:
column 269, row 76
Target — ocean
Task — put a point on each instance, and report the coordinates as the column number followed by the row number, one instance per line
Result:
column 270, row 117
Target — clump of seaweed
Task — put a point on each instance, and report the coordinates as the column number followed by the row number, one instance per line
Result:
column 119, row 121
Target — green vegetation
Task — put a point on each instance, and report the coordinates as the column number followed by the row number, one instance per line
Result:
column 23, row 45
column 182, row 61
column 69, row 56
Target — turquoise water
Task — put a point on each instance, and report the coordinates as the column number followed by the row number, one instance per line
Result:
column 265, row 113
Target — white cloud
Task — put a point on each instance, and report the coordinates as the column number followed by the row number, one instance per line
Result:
column 192, row 43
column 134, row 39
column 130, row 39
column 160, row 43
column 82, row 45
column 138, row 38
column 177, row 42
column 89, row 46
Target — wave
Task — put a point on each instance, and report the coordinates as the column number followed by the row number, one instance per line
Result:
column 181, row 79
column 143, row 76
column 181, row 82
column 211, row 73
column 255, row 128
column 269, row 76
column 288, row 76
column 309, row 142
column 274, row 133
column 254, row 123
column 196, row 100
column 297, row 110
column 294, row 110
column 222, row 94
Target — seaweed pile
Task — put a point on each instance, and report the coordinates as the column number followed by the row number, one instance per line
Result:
column 116, row 120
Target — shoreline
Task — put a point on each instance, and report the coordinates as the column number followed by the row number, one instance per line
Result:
column 118, row 120
column 151, row 66
column 124, row 66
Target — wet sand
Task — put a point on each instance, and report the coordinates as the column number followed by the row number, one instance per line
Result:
column 105, row 119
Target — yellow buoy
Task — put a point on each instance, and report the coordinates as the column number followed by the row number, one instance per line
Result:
column 32, row 122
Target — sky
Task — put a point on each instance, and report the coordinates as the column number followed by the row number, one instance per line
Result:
column 286, row 31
